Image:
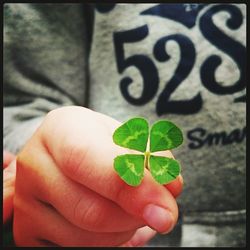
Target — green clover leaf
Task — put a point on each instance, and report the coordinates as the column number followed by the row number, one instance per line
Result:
column 134, row 134
column 164, row 169
column 165, row 135
column 130, row 168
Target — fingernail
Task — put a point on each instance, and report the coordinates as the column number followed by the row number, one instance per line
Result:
column 158, row 218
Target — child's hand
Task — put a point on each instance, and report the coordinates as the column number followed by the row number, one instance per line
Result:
column 68, row 194
column 9, row 176
column 7, row 158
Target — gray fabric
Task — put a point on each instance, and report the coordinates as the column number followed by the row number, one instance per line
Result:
column 200, row 235
column 46, row 66
column 218, row 229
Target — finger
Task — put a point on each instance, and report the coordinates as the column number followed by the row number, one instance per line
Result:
column 141, row 237
column 46, row 225
column 7, row 158
column 8, row 195
column 9, row 175
column 176, row 186
column 86, row 155
column 78, row 204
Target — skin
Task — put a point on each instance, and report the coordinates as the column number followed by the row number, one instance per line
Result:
column 68, row 194
column 9, row 173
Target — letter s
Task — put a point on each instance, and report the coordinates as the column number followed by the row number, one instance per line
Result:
column 223, row 42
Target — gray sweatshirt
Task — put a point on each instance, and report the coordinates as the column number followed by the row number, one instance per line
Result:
column 181, row 62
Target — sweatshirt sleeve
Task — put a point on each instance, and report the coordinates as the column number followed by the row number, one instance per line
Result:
column 45, row 65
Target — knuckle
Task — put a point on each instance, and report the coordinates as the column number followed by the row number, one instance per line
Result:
column 72, row 157
column 52, row 120
column 52, row 114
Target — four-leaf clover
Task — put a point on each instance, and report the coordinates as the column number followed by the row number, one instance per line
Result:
column 134, row 134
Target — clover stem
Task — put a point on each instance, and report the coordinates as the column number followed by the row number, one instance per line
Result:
column 147, row 154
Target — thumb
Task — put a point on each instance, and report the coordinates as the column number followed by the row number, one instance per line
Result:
column 9, row 177
column 141, row 237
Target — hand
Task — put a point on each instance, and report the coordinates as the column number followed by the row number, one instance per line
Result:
column 7, row 158
column 9, row 176
column 68, row 194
